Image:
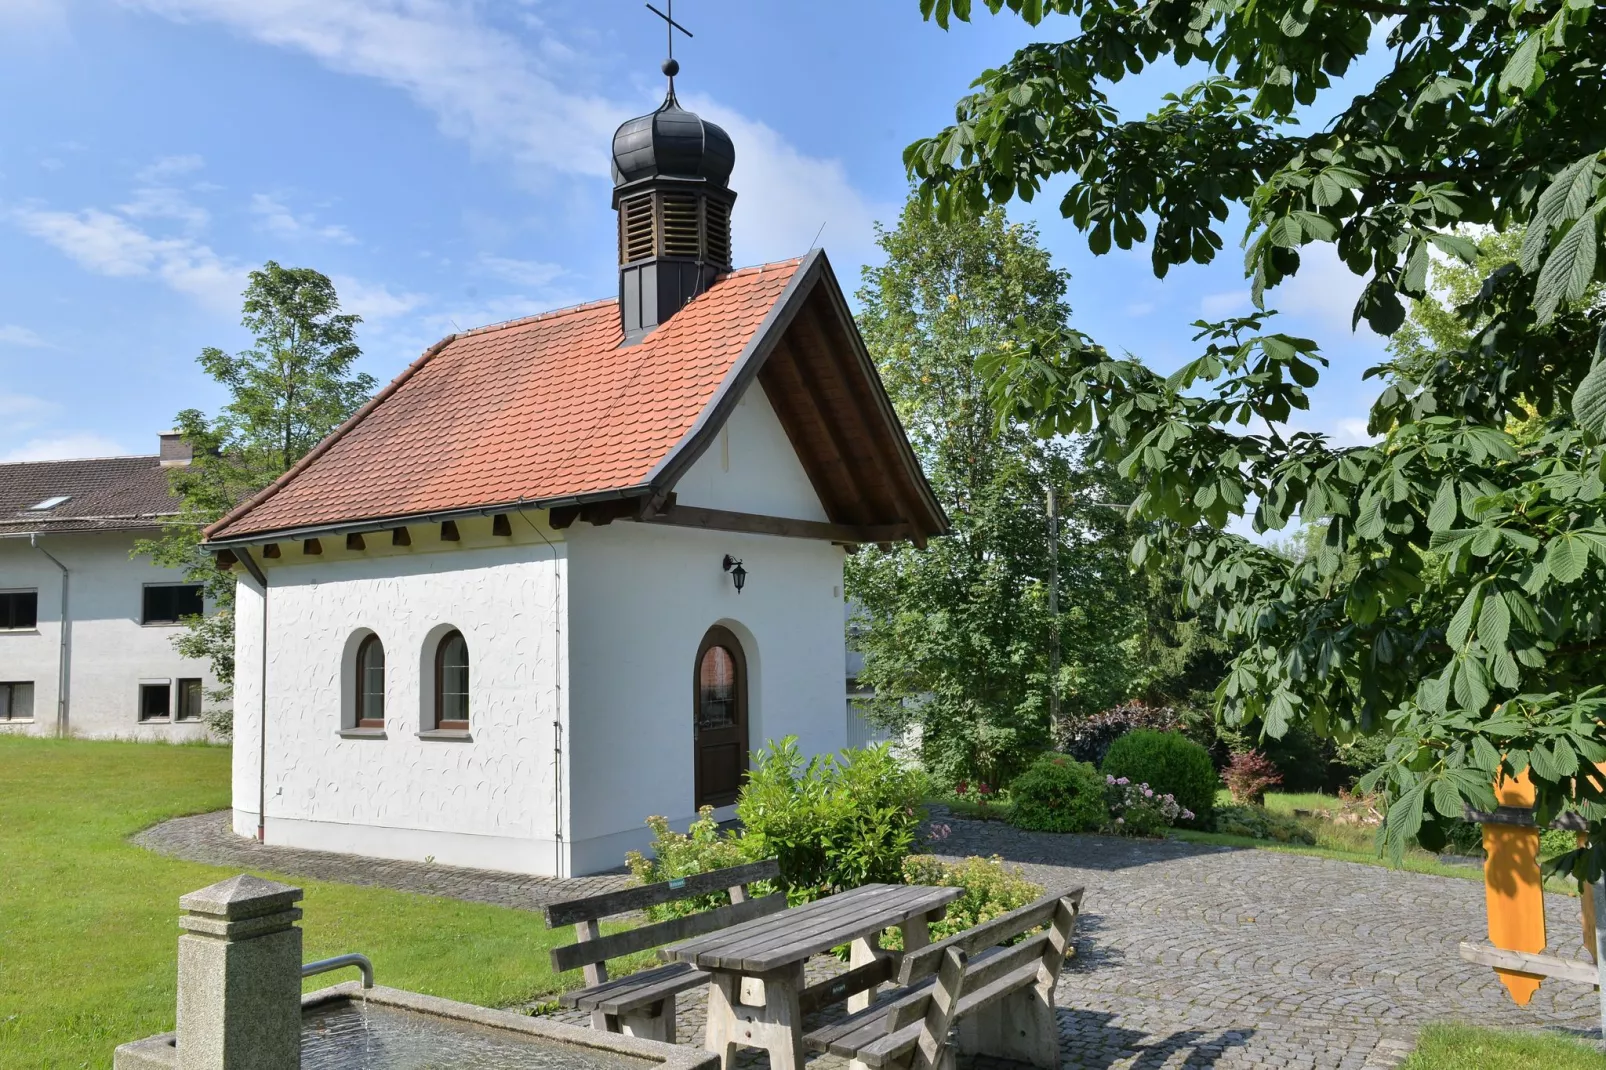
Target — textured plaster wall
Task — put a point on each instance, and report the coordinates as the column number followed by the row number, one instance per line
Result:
column 486, row 802
column 644, row 595
column 112, row 652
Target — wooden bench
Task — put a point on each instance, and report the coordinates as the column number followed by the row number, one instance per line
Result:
column 1001, row 998
column 643, row 1004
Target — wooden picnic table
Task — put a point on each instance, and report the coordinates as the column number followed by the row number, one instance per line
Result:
column 757, row 997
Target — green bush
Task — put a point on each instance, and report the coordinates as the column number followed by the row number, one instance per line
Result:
column 991, row 889
column 1258, row 823
column 834, row 822
column 1168, row 762
column 702, row 849
column 1058, row 794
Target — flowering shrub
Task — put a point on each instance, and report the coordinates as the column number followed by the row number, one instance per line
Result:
column 703, row 848
column 1248, row 775
column 991, row 889
column 1139, row 810
column 1168, row 762
column 1058, row 794
column 833, row 821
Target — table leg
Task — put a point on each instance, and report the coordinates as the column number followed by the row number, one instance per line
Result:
column 721, row 1034
column 861, row 953
column 917, row 931
column 757, row 1011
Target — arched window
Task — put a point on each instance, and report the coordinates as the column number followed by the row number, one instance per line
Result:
column 451, row 682
column 371, row 683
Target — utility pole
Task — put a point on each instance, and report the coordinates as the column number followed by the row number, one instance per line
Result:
column 1053, row 605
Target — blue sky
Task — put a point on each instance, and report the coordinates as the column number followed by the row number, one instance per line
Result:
column 445, row 161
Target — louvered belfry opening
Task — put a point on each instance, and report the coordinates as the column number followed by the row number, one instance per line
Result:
column 670, row 173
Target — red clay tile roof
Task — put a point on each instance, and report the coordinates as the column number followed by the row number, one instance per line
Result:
column 538, row 410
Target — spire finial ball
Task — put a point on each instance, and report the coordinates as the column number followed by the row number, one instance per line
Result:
column 671, row 66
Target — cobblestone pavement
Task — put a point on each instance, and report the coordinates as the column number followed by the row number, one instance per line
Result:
column 1188, row 956
column 209, row 838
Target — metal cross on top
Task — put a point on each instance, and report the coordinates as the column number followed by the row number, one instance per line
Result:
column 671, row 68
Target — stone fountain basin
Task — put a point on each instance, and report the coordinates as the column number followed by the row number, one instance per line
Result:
column 347, row 1027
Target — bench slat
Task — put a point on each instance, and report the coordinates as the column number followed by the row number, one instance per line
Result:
column 838, row 988
column 889, row 1047
column 636, row 990
column 846, row 1035
column 650, row 895
column 924, row 962
column 663, row 932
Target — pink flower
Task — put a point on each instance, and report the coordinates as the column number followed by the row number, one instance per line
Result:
column 1148, row 792
column 1120, row 821
column 1123, row 781
column 1108, row 779
column 962, row 787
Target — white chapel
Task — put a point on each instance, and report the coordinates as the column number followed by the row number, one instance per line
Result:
column 568, row 571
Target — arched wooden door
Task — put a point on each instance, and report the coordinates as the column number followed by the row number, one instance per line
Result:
column 719, row 712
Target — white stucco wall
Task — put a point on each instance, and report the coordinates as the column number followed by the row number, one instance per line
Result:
column 111, row 652
column 751, row 467
column 486, row 802
column 598, row 631
column 642, row 598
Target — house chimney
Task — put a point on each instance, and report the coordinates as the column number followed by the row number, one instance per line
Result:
column 174, row 450
column 670, row 175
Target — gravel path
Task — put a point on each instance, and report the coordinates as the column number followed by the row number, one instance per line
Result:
column 1188, row 955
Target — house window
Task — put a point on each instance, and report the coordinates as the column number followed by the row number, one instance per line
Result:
column 19, row 611
column 451, row 682
column 371, row 683
column 169, row 603
column 155, row 702
column 16, row 701
column 189, row 700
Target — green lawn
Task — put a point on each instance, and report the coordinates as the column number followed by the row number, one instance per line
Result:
column 88, row 927
column 1460, row 1047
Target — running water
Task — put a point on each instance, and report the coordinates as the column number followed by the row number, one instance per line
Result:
column 346, row 1036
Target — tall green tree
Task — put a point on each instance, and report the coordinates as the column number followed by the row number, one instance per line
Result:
column 957, row 635
column 1470, row 625
column 287, row 392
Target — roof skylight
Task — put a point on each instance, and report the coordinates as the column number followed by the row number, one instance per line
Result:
column 50, row 503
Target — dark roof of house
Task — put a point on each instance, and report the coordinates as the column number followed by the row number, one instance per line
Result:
column 103, row 494
column 553, row 410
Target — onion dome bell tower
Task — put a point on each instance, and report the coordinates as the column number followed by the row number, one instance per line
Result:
column 670, row 175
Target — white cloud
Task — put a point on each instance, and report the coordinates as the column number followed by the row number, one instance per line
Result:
column 1215, row 306
column 1139, row 308
column 374, row 302
column 17, row 407
column 277, row 218
column 170, row 167
column 531, row 274
column 1323, row 289
column 66, row 446
column 110, row 245
column 12, row 335
column 165, row 202
column 481, row 84
column 504, row 98
column 784, row 196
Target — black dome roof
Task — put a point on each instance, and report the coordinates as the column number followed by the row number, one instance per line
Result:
column 674, row 142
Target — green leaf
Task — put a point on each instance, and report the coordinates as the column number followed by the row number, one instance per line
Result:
column 1471, row 686
column 1565, row 558
column 1484, row 754
column 1589, row 400
column 1461, row 624
column 1568, row 269
column 1446, row 800
column 1523, row 65
column 1442, row 516
column 1494, row 624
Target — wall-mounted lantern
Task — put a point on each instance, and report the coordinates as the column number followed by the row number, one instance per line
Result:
column 738, row 573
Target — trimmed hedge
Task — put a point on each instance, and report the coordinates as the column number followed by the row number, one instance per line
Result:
column 1168, row 762
column 1058, row 794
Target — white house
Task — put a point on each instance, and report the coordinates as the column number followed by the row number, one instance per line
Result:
column 85, row 630
column 566, row 572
